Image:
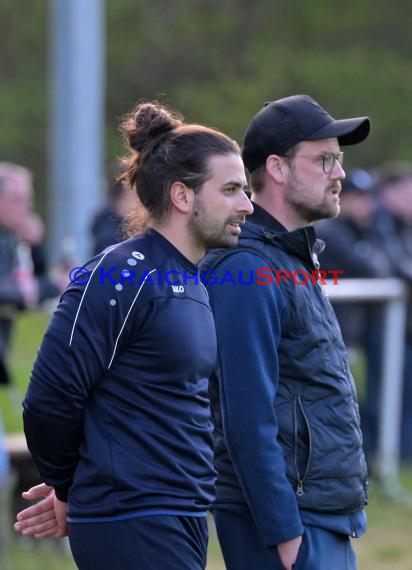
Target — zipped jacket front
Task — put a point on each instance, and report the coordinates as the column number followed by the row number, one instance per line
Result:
column 287, row 429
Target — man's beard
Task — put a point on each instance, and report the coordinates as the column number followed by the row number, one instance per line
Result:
column 312, row 213
column 210, row 234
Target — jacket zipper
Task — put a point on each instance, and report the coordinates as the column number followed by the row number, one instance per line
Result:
column 353, row 532
column 301, row 479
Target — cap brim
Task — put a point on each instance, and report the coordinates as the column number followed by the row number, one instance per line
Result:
column 347, row 131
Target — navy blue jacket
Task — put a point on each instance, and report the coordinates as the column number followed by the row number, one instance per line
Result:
column 117, row 411
column 287, row 436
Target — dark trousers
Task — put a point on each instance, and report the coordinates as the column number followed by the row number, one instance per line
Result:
column 144, row 543
column 242, row 548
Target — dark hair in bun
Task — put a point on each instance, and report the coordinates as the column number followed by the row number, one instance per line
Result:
column 148, row 125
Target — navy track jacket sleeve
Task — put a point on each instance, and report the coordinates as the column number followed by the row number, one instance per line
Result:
column 248, row 323
column 84, row 335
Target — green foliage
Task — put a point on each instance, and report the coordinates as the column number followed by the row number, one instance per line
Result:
column 218, row 61
column 23, row 80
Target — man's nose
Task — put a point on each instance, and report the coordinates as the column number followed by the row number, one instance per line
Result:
column 246, row 205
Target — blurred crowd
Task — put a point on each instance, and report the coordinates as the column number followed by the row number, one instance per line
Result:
column 371, row 238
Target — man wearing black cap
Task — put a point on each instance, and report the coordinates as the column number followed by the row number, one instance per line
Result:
column 291, row 471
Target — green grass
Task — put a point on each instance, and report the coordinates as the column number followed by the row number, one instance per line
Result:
column 388, row 542
column 42, row 555
column 386, row 546
column 26, row 340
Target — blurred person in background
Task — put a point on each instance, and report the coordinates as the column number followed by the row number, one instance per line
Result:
column 121, row 379
column 24, row 283
column 352, row 247
column 4, row 470
column 107, row 226
column 392, row 228
column 24, row 280
column 349, row 237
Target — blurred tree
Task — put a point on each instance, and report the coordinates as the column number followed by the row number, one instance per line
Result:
column 218, row 61
column 23, row 81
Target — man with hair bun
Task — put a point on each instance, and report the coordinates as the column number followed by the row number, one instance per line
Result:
column 117, row 413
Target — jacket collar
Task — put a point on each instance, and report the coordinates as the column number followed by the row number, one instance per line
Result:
column 261, row 217
column 302, row 242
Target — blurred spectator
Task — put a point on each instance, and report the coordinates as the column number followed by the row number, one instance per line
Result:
column 106, row 227
column 393, row 220
column 24, row 282
column 4, row 468
column 352, row 247
column 4, row 461
column 393, row 229
column 351, row 244
column 23, row 279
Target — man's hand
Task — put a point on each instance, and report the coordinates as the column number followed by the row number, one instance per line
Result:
column 288, row 552
column 45, row 518
column 60, row 511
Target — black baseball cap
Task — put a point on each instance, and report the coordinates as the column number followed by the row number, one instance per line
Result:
column 282, row 124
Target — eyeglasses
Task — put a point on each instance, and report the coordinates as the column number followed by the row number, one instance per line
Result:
column 329, row 160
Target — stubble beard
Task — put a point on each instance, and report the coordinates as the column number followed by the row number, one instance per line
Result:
column 311, row 213
column 207, row 234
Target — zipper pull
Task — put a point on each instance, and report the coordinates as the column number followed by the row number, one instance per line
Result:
column 299, row 490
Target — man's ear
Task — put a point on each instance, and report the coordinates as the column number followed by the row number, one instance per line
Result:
column 277, row 168
column 181, row 197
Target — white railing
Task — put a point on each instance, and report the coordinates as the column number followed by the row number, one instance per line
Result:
column 392, row 293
